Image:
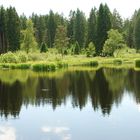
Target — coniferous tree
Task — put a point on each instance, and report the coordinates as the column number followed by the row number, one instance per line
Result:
column 41, row 31
column 70, row 27
column 13, row 29
column 92, row 22
column 23, row 19
column 3, row 31
column 51, row 29
column 103, row 26
column 43, row 47
column 116, row 21
column 137, row 31
column 80, row 28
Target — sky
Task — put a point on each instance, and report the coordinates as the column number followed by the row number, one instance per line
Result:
column 125, row 7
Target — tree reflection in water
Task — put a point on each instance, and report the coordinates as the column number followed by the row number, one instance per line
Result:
column 103, row 88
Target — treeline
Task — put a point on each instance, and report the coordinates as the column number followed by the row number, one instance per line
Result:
column 76, row 32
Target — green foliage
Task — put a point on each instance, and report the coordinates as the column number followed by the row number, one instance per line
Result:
column 22, row 56
column 103, row 26
column 29, row 43
column 43, row 48
column 61, row 39
column 92, row 23
column 51, row 24
column 115, row 41
column 80, row 28
column 37, row 56
column 137, row 31
column 90, row 51
column 117, row 21
column 70, row 27
column 3, row 31
column 13, row 29
column 76, row 48
column 137, row 63
column 9, row 58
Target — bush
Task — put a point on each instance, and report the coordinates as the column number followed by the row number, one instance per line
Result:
column 44, row 48
column 9, row 58
column 22, row 57
column 115, row 41
column 137, row 63
column 90, row 51
column 37, row 56
column 75, row 48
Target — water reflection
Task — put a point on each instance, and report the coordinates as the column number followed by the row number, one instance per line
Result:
column 103, row 88
column 7, row 133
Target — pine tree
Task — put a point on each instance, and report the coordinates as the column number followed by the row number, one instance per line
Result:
column 80, row 28
column 70, row 27
column 103, row 26
column 43, row 48
column 3, row 31
column 51, row 29
column 23, row 19
column 137, row 31
column 41, row 30
column 116, row 21
column 13, row 29
column 92, row 23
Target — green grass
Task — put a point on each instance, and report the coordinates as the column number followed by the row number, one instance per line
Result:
column 52, row 61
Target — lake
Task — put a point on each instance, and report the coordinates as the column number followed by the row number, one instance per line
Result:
column 70, row 105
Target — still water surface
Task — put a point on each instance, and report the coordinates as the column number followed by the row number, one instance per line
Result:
column 70, row 105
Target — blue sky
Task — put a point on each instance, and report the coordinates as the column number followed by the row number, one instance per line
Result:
column 124, row 7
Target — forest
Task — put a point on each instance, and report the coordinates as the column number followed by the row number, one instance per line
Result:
column 39, row 37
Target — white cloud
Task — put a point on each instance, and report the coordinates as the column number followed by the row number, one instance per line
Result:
column 59, row 131
column 7, row 133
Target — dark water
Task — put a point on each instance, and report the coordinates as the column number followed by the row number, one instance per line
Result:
column 70, row 105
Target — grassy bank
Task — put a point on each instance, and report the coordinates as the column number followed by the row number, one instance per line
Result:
column 52, row 61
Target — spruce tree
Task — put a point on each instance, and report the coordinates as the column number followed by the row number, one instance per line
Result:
column 51, row 29
column 103, row 26
column 70, row 27
column 137, row 31
column 92, row 22
column 3, row 31
column 80, row 28
column 13, row 29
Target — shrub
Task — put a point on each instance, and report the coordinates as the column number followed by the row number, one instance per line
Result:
column 75, row 48
column 37, row 56
column 137, row 63
column 9, row 58
column 90, row 51
column 22, row 57
column 44, row 48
